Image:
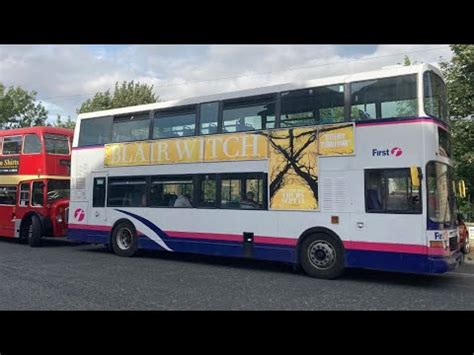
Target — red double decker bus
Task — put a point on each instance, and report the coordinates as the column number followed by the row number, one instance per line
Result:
column 34, row 182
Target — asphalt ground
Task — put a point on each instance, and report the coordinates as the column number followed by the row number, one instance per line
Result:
column 62, row 275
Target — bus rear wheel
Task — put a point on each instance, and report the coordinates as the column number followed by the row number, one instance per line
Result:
column 34, row 232
column 124, row 240
column 322, row 256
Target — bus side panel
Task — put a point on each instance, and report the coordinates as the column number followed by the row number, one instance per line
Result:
column 7, row 226
column 223, row 236
column 223, row 248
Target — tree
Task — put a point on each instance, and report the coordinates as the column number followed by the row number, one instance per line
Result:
column 18, row 108
column 407, row 61
column 459, row 77
column 66, row 124
column 127, row 94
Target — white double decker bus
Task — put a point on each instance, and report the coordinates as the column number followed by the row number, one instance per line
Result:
column 347, row 171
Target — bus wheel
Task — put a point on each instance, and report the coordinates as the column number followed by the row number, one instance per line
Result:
column 322, row 256
column 466, row 248
column 34, row 232
column 124, row 240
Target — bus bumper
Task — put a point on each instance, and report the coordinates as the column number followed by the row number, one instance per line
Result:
column 445, row 264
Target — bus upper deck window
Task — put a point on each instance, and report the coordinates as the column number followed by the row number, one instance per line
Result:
column 323, row 104
column 208, row 117
column 32, row 144
column 95, row 131
column 384, row 98
column 12, row 145
column 434, row 92
column 56, row 144
column 179, row 122
column 249, row 114
column 130, row 128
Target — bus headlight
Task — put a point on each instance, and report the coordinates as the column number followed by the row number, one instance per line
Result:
column 59, row 219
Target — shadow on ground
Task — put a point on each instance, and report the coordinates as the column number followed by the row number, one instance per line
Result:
column 393, row 278
column 45, row 243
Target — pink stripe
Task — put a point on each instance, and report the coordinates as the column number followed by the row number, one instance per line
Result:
column 350, row 245
column 390, row 247
column 395, row 248
column 417, row 120
column 231, row 237
column 274, row 240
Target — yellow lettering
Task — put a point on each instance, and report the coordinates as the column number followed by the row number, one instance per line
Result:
column 253, row 145
column 124, row 155
column 213, row 142
column 140, row 152
column 225, row 147
column 115, row 154
column 163, row 154
column 183, row 149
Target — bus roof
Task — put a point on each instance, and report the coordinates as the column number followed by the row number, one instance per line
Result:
column 37, row 129
column 390, row 71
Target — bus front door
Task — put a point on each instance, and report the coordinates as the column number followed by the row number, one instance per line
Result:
column 7, row 210
column 98, row 215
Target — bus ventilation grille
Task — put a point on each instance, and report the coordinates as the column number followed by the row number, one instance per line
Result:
column 453, row 243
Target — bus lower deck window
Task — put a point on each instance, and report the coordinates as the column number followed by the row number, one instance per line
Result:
column 172, row 192
column 391, row 191
column 127, row 192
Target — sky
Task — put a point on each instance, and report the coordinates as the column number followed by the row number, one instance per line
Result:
column 66, row 75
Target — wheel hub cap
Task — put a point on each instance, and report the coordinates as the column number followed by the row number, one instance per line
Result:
column 322, row 255
column 124, row 238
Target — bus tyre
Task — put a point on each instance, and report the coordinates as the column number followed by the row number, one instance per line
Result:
column 124, row 240
column 35, row 232
column 466, row 248
column 322, row 256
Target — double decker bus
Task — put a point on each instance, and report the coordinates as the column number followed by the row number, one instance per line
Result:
column 34, row 182
column 339, row 172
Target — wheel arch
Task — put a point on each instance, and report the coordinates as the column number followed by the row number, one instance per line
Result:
column 44, row 221
column 116, row 223
column 313, row 230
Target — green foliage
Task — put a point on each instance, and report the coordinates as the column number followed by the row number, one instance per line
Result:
column 19, row 109
column 126, row 94
column 459, row 77
column 407, row 61
column 406, row 108
column 69, row 123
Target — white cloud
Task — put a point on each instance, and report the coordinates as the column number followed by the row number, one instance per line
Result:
column 66, row 75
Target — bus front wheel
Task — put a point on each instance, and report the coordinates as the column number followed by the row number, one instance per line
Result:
column 124, row 240
column 322, row 256
column 35, row 232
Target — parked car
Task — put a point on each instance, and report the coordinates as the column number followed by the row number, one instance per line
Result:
column 463, row 235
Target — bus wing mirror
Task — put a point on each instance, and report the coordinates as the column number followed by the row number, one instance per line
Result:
column 415, row 176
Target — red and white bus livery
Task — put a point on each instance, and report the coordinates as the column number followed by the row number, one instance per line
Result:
column 347, row 171
column 34, row 182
